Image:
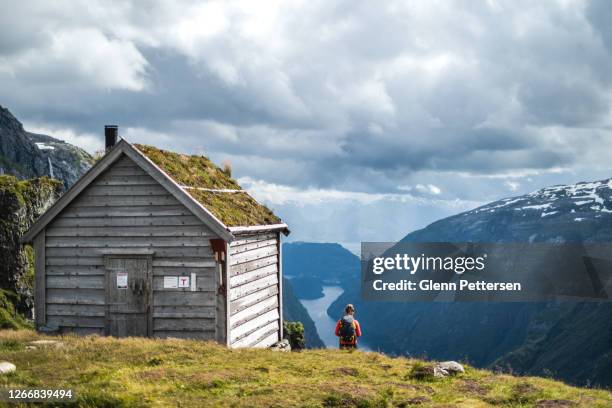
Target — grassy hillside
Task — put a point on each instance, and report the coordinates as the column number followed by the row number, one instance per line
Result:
column 143, row 372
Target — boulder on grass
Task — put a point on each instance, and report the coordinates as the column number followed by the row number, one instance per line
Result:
column 438, row 370
column 6, row 367
column 451, row 367
column 282, row 345
column 427, row 372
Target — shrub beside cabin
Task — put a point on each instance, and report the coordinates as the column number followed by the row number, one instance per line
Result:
column 155, row 243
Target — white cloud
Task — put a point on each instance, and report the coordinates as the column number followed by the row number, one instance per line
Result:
column 428, row 188
column 349, row 216
column 281, row 195
column 512, row 185
column 329, row 102
column 79, row 58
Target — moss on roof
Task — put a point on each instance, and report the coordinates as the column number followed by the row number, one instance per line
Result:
column 234, row 209
column 194, row 171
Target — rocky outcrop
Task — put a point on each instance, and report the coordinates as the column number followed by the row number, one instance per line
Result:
column 450, row 368
column 21, row 203
column 28, row 163
column 28, row 155
column 438, row 370
column 7, row 368
column 282, row 345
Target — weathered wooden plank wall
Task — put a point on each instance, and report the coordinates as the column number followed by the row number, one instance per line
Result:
column 254, row 291
column 125, row 211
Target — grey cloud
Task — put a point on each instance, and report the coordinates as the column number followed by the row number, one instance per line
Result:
column 562, row 101
column 353, row 96
column 599, row 14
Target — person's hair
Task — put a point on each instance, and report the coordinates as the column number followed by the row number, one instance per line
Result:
column 349, row 308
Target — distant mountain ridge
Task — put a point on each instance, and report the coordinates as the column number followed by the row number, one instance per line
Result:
column 570, row 341
column 312, row 265
column 29, row 155
column 575, row 212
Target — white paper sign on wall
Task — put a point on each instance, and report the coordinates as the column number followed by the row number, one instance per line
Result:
column 170, row 282
column 183, row 281
column 193, row 282
column 122, row 280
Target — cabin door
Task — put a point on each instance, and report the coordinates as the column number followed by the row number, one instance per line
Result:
column 128, row 296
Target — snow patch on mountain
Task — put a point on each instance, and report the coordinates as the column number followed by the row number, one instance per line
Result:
column 558, row 200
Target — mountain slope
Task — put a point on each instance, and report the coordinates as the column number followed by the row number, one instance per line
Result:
column 312, row 265
column 21, row 202
column 137, row 372
column 577, row 212
column 578, row 346
column 28, row 155
column 25, row 155
column 293, row 311
column 571, row 341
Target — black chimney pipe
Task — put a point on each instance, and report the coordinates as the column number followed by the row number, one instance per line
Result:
column 110, row 136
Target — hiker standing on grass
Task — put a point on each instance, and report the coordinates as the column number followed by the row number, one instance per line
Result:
column 348, row 329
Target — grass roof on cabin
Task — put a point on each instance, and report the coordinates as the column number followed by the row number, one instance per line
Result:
column 186, row 170
column 234, row 209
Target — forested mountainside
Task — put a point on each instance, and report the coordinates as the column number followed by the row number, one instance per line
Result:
column 29, row 155
column 293, row 311
column 312, row 265
column 570, row 341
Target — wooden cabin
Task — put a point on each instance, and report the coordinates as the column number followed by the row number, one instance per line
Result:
column 159, row 244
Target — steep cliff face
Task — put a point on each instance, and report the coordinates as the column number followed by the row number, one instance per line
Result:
column 28, row 155
column 21, row 203
column 40, row 158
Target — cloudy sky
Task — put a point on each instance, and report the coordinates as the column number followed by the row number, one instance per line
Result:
column 354, row 120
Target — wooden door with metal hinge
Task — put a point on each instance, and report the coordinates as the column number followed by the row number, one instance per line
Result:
column 129, row 293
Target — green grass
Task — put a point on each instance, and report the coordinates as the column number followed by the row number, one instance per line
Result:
column 26, row 191
column 9, row 318
column 233, row 209
column 189, row 170
column 143, row 372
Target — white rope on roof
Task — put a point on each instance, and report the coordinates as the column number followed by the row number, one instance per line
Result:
column 258, row 228
column 214, row 190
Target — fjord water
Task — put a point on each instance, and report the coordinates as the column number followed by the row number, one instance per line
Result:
column 317, row 309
